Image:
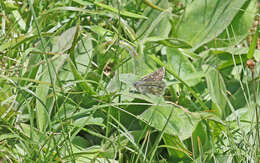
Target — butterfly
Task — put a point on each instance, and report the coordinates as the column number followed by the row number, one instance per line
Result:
column 152, row 83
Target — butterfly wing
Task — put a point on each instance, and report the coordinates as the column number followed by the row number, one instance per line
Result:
column 152, row 83
column 155, row 76
column 153, row 87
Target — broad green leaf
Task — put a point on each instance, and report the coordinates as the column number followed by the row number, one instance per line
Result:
column 239, row 27
column 42, row 115
column 245, row 115
column 114, row 84
column 84, row 53
column 182, row 66
column 200, row 139
column 205, row 20
column 157, row 24
column 217, row 90
column 88, row 120
column 175, row 147
column 227, row 57
column 181, row 123
column 64, row 41
column 83, row 85
column 43, row 90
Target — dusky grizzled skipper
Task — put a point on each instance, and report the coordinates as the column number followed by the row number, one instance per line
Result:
column 152, row 83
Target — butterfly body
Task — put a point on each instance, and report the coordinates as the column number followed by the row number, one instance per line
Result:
column 152, row 83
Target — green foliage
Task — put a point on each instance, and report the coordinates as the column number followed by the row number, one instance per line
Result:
column 68, row 69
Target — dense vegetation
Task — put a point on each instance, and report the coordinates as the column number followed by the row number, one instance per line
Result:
column 70, row 69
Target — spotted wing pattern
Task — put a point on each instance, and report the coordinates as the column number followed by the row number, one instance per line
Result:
column 152, row 83
column 155, row 76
